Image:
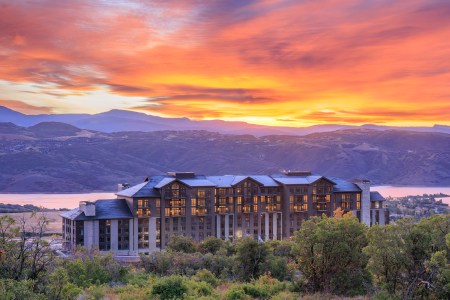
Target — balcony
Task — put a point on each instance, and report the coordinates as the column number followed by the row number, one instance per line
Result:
column 273, row 207
column 201, row 212
column 222, row 210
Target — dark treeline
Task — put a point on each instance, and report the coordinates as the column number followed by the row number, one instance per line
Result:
column 328, row 256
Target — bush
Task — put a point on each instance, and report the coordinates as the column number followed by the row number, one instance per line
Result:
column 211, row 245
column 199, row 289
column 91, row 267
column 207, row 276
column 11, row 289
column 236, row 293
column 181, row 243
column 172, row 287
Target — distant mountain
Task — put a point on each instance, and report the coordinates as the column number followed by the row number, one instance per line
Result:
column 56, row 157
column 122, row 120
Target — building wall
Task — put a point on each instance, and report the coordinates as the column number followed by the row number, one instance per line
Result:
column 247, row 209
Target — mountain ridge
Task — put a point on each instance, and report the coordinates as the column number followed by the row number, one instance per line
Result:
column 55, row 157
column 123, row 120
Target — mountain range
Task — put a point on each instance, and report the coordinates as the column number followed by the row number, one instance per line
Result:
column 59, row 157
column 123, row 120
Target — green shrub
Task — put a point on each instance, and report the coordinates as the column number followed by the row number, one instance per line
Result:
column 11, row 290
column 207, row 276
column 172, row 287
column 236, row 293
column 199, row 289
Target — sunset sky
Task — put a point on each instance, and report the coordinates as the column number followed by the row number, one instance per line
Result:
column 286, row 63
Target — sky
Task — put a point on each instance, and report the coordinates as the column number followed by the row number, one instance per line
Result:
column 270, row 62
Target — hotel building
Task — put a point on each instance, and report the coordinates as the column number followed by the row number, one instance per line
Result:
column 144, row 217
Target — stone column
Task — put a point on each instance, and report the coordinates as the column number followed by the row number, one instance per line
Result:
column 218, row 229
column 274, row 225
column 364, row 185
column 152, row 234
column 96, row 234
column 114, row 235
column 135, row 235
column 266, row 226
column 88, row 234
column 227, row 227
column 131, row 236
column 382, row 220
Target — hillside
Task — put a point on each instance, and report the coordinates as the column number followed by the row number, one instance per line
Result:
column 60, row 158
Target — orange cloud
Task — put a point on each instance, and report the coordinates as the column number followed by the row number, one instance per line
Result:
column 321, row 61
column 25, row 108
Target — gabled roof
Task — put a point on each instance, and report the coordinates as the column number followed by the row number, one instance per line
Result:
column 145, row 189
column 198, row 181
column 344, row 186
column 104, row 210
column 293, row 180
column 376, row 196
column 231, row 180
column 238, row 178
column 265, row 180
column 222, row 181
column 165, row 182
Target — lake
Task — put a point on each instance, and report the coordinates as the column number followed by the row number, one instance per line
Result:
column 53, row 200
column 401, row 191
column 72, row 200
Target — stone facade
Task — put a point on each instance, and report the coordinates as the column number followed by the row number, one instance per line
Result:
column 144, row 217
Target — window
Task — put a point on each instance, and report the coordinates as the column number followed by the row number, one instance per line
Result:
column 346, row 201
column 79, row 232
column 123, row 234
column 158, row 232
column 104, row 235
column 143, row 209
column 143, row 233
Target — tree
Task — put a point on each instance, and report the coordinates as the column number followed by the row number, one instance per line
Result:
column 330, row 256
column 387, row 259
column 181, row 243
column 27, row 253
column 250, row 255
column 211, row 245
column 411, row 259
column 59, row 287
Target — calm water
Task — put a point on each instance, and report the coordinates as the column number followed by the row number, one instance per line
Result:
column 395, row 191
column 72, row 200
column 53, row 200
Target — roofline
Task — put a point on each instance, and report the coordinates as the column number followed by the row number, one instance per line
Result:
column 327, row 179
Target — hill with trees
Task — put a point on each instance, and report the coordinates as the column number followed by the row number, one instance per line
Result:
column 56, row 157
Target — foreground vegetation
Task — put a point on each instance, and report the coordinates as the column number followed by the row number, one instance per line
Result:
column 328, row 256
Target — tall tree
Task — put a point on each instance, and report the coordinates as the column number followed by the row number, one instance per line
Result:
column 330, row 256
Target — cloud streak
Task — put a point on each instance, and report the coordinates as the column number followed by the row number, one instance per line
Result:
column 258, row 61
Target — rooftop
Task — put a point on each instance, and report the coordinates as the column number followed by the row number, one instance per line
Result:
column 104, row 209
column 153, row 185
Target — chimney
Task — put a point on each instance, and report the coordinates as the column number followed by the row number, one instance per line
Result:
column 88, row 208
column 122, row 186
column 364, row 185
column 297, row 173
column 181, row 174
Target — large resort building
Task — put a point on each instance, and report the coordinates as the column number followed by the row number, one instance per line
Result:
column 144, row 217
